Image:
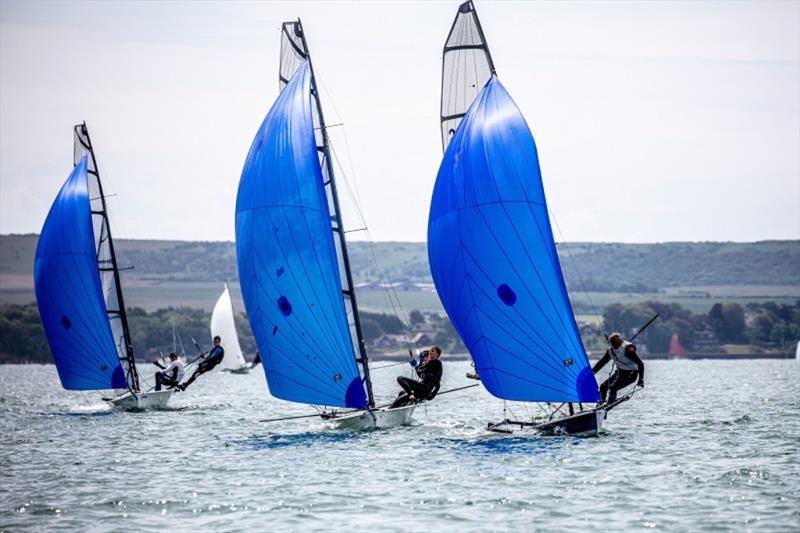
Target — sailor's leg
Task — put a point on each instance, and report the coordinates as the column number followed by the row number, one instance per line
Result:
column 406, row 384
column 622, row 378
column 191, row 378
column 401, row 400
column 158, row 380
column 604, row 387
column 420, row 391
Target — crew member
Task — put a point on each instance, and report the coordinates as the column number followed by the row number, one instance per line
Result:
column 629, row 367
column 430, row 372
column 169, row 375
column 213, row 359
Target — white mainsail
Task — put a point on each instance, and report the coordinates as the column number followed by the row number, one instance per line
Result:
column 222, row 324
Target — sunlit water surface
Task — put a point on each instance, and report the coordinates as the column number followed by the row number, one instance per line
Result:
column 707, row 446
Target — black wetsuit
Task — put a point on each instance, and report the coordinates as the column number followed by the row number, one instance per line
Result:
column 214, row 358
column 431, row 375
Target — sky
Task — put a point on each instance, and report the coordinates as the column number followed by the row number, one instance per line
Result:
column 673, row 121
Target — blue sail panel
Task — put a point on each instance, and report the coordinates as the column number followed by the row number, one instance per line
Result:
column 494, row 262
column 69, row 295
column 288, row 267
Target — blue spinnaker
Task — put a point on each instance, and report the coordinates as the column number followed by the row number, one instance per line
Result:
column 494, row 262
column 69, row 295
column 288, row 267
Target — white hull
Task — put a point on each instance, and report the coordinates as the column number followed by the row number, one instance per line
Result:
column 142, row 401
column 374, row 419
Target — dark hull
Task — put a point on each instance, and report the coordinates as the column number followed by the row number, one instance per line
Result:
column 584, row 424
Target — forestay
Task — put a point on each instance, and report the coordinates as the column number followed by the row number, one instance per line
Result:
column 70, row 294
column 466, row 67
column 288, row 265
column 494, row 262
column 223, row 324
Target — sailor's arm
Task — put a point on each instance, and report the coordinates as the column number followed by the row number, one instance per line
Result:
column 633, row 356
column 158, row 364
column 602, row 362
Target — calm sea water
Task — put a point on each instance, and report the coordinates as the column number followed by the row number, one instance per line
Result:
column 707, row 446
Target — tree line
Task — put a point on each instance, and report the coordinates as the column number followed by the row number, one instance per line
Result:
column 22, row 338
column 765, row 325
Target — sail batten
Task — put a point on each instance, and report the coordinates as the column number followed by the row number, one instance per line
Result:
column 69, row 293
column 288, row 264
column 467, row 65
column 493, row 258
column 106, row 256
column 294, row 52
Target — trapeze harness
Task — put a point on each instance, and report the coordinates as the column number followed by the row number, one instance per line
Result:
column 621, row 359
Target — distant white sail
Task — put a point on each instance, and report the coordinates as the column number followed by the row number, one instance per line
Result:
column 222, row 324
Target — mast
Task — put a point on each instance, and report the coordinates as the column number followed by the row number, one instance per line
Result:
column 107, row 265
column 298, row 50
column 466, row 66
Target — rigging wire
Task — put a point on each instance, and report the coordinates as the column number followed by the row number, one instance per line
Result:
column 370, row 250
column 574, row 265
column 355, row 197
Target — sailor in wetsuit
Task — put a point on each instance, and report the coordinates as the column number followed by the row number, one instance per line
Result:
column 169, row 375
column 430, row 372
column 629, row 367
column 213, row 359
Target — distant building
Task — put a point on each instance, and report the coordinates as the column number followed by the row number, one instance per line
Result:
column 422, row 327
column 422, row 339
column 389, row 341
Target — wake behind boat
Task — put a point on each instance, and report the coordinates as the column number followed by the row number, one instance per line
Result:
column 79, row 293
column 294, row 269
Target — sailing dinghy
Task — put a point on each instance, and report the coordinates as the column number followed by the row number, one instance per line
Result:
column 78, row 290
column 291, row 250
column 222, row 324
column 491, row 249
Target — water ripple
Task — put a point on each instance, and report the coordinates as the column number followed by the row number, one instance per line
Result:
column 684, row 455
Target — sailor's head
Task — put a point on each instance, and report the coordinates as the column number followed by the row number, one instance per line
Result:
column 217, row 340
column 434, row 353
column 615, row 339
column 172, row 356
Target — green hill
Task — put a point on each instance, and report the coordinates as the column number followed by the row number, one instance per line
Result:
column 175, row 273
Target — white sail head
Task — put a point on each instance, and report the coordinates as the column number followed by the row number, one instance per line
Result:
column 222, row 324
